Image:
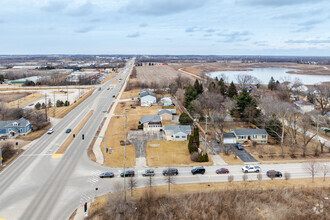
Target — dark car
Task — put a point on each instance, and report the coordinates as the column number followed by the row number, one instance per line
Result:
column 68, row 130
column 107, row 175
column 149, row 172
column 274, row 173
column 222, row 170
column 198, row 170
column 170, row 172
column 128, row 173
column 239, row 147
column 113, row 96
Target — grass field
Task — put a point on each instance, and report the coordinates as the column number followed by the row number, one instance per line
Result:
column 130, row 94
column 162, row 153
column 21, row 98
column 231, row 159
column 36, row 134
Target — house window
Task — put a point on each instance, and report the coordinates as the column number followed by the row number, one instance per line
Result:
column 183, row 136
column 255, row 136
column 264, row 136
column 21, row 130
column 177, row 136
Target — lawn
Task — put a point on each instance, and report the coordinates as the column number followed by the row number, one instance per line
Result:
column 131, row 94
column 162, row 153
column 231, row 159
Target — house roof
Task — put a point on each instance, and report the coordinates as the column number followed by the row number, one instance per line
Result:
column 164, row 111
column 174, row 129
column 250, row 131
column 302, row 102
column 229, row 135
column 22, row 122
column 150, row 118
column 145, row 92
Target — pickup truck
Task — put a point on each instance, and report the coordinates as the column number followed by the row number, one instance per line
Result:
column 251, row 169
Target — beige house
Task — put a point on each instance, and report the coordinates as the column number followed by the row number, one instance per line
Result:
column 256, row 135
column 165, row 115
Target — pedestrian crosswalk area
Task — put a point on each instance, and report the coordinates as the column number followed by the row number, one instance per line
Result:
column 92, row 181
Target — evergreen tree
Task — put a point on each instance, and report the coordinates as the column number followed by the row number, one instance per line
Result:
column 222, row 85
column 43, row 106
column 271, row 84
column 184, row 119
column 37, row 106
column 190, row 95
column 212, row 87
column 277, row 85
column 199, row 87
column 245, row 102
column 216, row 79
column 196, row 136
column 274, row 128
column 232, row 91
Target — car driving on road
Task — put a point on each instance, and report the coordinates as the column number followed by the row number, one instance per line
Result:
column 68, row 130
column 222, row 170
column 107, row 175
column 273, row 173
column 130, row 173
column 251, row 169
column 149, row 172
column 50, row 131
column 170, row 172
column 198, row 170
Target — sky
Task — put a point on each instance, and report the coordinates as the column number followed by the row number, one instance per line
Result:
column 173, row 27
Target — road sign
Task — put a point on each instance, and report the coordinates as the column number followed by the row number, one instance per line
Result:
column 100, row 136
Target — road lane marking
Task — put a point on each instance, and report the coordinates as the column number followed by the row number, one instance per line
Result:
column 57, row 155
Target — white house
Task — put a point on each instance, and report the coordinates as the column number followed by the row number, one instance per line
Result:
column 166, row 101
column 151, row 123
column 229, row 138
column 256, row 135
column 147, row 98
column 305, row 106
column 177, row 132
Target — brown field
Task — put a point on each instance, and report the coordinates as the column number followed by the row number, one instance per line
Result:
column 20, row 98
column 13, row 96
column 273, row 199
column 170, row 153
column 231, row 159
column 76, row 130
column 130, row 94
column 201, row 68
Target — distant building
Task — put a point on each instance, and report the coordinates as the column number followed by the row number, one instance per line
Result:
column 177, row 132
column 25, row 67
column 305, row 106
column 34, row 79
column 14, row 127
column 151, row 123
column 165, row 114
column 147, row 98
column 256, row 135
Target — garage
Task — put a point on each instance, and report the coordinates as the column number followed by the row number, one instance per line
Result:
column 229, row 138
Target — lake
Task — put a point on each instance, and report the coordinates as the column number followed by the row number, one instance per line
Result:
column 264, row 74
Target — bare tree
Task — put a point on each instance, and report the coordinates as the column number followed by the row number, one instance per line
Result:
column 3, row 110
column 169, row 179
column 132, row 184
column 245, row 177
column 245, row 80
column 287, row 176
column 259, row 177
column 292, row 130
column 307, row 136
column 149, row 182
column 230, row 178
column 321, row 94
column 312, row 167
column 272, row 174
column 325, row 170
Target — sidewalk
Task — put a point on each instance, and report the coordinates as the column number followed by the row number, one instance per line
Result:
column 80, row 214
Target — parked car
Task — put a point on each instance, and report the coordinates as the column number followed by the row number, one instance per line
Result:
column 108, row 88
column 50, row 131
column 251, row 169
column 274, row 173
column 107, row 175
column 239, row 147
column 113, row 96
column 68, row 130
column 130, row 173
column 170, row 172
column 222, row 170
column 149, row 172
column 198, row 170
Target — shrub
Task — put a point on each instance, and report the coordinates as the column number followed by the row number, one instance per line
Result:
column 194, row 156
column 140, row 126
column 230, row 178
column 8, row 151
column 203, row 157
column 37, row 106
column 66, row 103
column 287, row 176
column 184, row 119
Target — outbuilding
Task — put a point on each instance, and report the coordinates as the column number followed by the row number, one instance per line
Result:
column 229, row 138
column 147, row 98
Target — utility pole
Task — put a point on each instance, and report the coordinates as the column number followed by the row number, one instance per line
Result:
column 54, row 108
column 46, row 106
column 205, row 148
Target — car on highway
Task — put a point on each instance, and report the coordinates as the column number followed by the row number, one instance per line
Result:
column 170, row 172
column 107, row 175
column 273, row 173
column 113, row 96
column 129, row 173
column 50, row 131
column 251, row 169
column 149, row 172
column 198, row 170
column 222, row 170
column 239, row 147
column 68, row 130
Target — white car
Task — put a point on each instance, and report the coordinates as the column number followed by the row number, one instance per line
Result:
column 50, row 131
column 251, row 169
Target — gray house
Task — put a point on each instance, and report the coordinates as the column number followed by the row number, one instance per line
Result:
column 257, row 135
column 14, row 127
column 151, row 123
column 147, row 98
column 177, row 132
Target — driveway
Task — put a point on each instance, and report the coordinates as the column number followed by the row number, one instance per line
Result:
column 140, row 138
column 242, row 154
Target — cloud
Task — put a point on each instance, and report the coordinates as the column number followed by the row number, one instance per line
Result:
column 210, row 30
column 308, row 25
column 235, row 36
column 192, row 29
column 161, row 7
column 315, row 41
column 134, row 35
column 84, row 30
column 276, row 3
column 55, row 6
column 143, row 25
column 82, row 10
column 297, row 15
column 260, row 43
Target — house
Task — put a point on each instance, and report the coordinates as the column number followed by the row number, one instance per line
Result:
column 166, row 101
column 151, row 123
column 147, row 98
column 256, row 135
column 305, row 106
column 165, row 114
column 15, row 127
column 177, row 132
column 229, row 138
